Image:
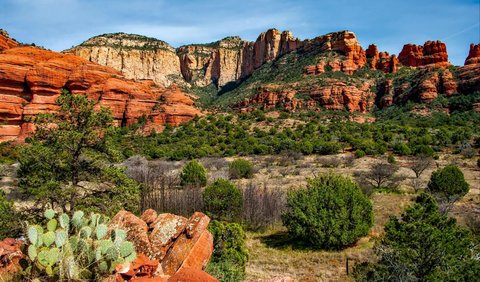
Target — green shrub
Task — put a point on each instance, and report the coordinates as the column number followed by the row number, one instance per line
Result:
column 9, row 219
column 448, row 183
column 230, row 255
column 391, row 159
column 77, row 248
column 223, row 201
column 359, row 153
column 402, row 149
column 422, row 245
column 423, row 150
column 330, row 213
column 193, row 173
column 240, row 168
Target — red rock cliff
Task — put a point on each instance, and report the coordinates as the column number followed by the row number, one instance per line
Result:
column 473, row 55
column 31, row 80
column 432, row 53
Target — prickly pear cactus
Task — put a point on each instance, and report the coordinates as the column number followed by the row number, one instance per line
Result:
column 76, row 248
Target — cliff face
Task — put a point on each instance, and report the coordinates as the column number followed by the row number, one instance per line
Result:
column 432, row 53
column 31, row 80
column 231, row 58
column 220, row 62
column 137, row 57
column 473, row 55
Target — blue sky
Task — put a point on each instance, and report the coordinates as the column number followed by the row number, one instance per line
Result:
column 60, row 24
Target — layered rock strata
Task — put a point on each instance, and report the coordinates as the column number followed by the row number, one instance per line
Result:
column 31, row 80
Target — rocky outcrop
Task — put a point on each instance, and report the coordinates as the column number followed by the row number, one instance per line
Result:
column 271, row 45
column 338, row 95
column 425, row 86
column 345, row 43
column 473, row 55
column 136, row 56
column 381, row 61
column 231, row 59
column 5, row 41
column 220, row 62
column 335, row 95
column 469, row 78
column 31, row 80
column 431, row 54
column 173, row 248
column 10, row 256
column 271, row 97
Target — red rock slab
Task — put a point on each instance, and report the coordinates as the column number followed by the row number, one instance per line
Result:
column 149, row 216
column 10, row 256
column 193, row 248
column 166, row 228
column 192, row 275
column 136, row 230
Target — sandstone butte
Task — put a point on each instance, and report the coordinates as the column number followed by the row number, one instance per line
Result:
column 31, row 79
column 169, row 248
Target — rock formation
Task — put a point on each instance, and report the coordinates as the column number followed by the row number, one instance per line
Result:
column 473, row 55
column 136, row 56
column 345, row 43
column 432, row 54
column 335, row 95
column 10, row 256
column 31, row 79
column 176, row 247
column 381, row 61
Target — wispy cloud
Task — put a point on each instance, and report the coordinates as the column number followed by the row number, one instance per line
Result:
column 59, row 24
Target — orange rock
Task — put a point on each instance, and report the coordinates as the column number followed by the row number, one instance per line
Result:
column 5, row 41
column 136, row 230
column 191, row 275
column 433, row 53
column 10, row 256
column 186, row 243
column 31, row 80
column 473, row 55
column 192, row 249
column 166, row 229
column 149, row 216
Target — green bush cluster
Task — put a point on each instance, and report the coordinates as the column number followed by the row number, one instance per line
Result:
column 330, row 213
column 223, row 201
column 193, row 173
column 423, row 245
column 230, row 255
column 76, row 248
column 9, row 219
column 395, row 130
column 448, row 183
column 240, row 168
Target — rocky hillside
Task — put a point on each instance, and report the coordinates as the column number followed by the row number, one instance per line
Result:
column 332, row 71
column 31, row 79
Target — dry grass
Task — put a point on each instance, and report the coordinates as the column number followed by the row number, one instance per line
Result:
column 271, row 254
